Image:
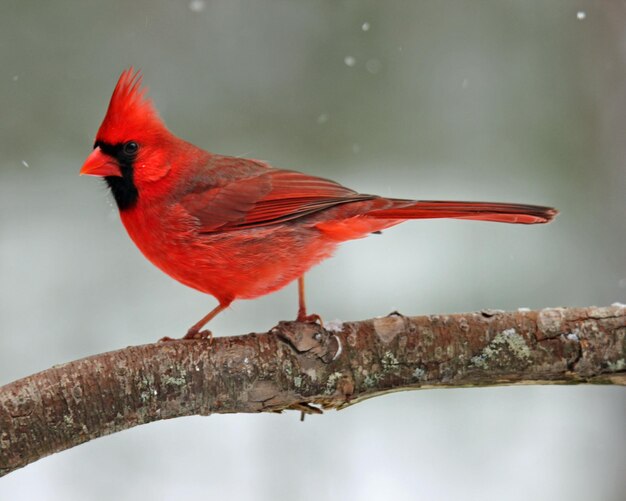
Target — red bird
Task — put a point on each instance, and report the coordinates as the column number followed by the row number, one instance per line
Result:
column 237, row 228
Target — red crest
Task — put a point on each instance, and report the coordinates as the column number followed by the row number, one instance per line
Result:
column 130, row 112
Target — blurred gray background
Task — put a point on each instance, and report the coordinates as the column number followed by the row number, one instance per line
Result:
column 511, row 101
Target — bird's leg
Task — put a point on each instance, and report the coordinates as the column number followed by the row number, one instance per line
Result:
column 194, row 332
column 302, row 316
column 301, row 300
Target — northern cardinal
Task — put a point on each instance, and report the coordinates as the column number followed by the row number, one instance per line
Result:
column 238, row 228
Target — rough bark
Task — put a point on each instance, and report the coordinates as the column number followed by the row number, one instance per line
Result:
column 304, row 367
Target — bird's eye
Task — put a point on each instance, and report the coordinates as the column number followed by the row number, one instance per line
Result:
column 130, row 148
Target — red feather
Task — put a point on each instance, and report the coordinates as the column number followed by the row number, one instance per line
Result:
column 478, row 211
column 130, row 110
column 262, row 196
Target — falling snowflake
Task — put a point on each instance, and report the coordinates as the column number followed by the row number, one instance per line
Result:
column 197, row 5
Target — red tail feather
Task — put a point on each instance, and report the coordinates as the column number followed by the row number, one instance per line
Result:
column 479, row 211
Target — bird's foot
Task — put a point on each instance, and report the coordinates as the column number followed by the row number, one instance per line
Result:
column 192, row 334
column 310, row 319
column 198, row 334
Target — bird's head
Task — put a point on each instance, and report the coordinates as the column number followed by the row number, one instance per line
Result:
column 129, row 150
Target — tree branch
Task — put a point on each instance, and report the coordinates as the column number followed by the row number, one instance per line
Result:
column 304, row 367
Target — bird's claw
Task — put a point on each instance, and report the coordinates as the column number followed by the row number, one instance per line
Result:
column 199, row 335
column 310, row 319
column 191, row 335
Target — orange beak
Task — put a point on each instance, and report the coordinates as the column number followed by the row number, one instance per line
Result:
column 100, row 164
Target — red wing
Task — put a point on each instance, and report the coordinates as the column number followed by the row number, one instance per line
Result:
column 267, row 197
